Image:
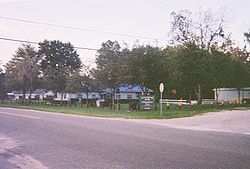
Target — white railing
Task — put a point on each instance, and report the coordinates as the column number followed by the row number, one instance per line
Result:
column 177, row 102
column 186, row 102
column 208, row 101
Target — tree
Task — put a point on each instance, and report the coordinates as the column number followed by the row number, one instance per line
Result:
column 109, row 66
column 239, row 75
column 23, row 70
column 220, row 71
column 58, row 62
column 108, row 63
column 3, row 90
column 81, row 83
column 145, row 66
column 193, row 66
column 205, row 29
column 247, row 36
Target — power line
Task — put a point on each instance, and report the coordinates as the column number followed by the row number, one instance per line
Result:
column 77, row 28
column 75, row 47
column 17, row 40
column 36, row 43
column 78, row 47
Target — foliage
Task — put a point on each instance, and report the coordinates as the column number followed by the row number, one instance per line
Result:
column 58, row 62
column 80, row 83
column 193, row 66
column 3, row 90
column 205, row 29
column 133, row 105
column 109, row 64
column 247, row 36
column 22, row 70
column 145, row 66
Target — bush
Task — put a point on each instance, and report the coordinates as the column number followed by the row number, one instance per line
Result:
column 133, row 105
column 246, row 101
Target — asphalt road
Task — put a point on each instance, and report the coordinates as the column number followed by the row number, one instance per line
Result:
column 39, row 140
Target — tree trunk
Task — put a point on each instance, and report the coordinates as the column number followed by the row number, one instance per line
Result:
column 30, row 98
column 216, row 95
column 198, row 94
column 243, row 97
column 61, row 99
column 190, row 97
column 87, row 100
column 113, row 100
column 24, row 98
column 239, row 101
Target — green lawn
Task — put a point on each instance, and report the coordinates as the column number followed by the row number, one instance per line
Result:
column 172, row 112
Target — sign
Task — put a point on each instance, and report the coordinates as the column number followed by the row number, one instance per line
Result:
column 147, row 102
column 161, row 87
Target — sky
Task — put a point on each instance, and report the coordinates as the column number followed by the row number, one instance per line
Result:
column 147, row 18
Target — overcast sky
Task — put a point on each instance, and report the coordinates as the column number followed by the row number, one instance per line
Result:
column 147, row 18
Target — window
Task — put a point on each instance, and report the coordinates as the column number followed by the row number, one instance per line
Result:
column 129, row 96
column 64, row 96
column 94, row 96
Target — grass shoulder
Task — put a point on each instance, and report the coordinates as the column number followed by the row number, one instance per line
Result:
column 168, row 113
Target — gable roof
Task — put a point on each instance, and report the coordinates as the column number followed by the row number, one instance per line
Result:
column 126, row 88
column 133, row 88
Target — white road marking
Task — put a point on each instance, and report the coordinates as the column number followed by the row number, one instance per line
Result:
column 20, row 115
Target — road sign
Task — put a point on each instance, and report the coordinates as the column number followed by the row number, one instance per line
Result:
column 161, row 87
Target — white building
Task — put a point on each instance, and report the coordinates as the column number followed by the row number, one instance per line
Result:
column 130, row 92
column 91, row 95
column 80, row 96
column 38, row 94
column 231, row 94
column 65, row 96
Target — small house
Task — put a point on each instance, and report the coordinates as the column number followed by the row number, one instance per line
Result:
column 125, row 92
column 231, row 95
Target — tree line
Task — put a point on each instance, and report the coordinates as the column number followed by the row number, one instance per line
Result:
column 200, row 57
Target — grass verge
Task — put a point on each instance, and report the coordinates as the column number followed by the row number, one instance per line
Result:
column 172, row 112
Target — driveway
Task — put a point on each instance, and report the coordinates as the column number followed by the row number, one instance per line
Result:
column 236, row 121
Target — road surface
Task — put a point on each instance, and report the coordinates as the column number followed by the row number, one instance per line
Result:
column 40, row 140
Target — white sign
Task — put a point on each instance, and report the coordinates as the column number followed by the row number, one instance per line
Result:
column 161, row 87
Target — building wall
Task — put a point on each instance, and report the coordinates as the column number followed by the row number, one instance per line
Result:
column 231, row 94
column 126, row 96
column 91, row 95
column 66, row 96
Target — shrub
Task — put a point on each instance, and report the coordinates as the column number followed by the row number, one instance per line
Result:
column 246, row 101
column 133, row 105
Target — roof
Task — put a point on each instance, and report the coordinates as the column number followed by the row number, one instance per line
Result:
column 126, row 88
column 232, row 89
column 39, row 91
column 17, row 92
column 133, row 88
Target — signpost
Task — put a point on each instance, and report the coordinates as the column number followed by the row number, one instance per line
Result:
column 161, row 88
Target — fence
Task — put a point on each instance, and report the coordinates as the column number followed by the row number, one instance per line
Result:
column 186, row 102
column 177, row 102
